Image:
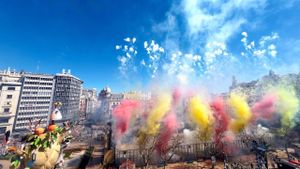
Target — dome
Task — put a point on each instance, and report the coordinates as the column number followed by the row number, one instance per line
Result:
column 108, row 90
column 105, row 92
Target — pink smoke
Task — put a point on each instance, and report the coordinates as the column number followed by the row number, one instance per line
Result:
column 176, row 96
column 265, row 107
column 168, row 128
column 229, row 147
column 122, row 115
column 221, row 120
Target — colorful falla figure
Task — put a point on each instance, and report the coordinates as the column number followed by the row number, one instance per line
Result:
column 42, row 150
column 56, row 114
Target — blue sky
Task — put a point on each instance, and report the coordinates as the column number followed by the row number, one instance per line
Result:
column 192, row 39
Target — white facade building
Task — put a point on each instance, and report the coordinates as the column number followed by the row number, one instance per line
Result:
column 10, row 87
column 35, row 101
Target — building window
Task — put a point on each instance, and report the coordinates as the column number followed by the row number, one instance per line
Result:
column 9, row 96
column 6, row 110
column 11, row 88
column 2, row 130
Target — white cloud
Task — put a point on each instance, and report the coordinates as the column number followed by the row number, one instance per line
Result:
column 221, row 19
column 127, row 39
column 127, row 56
column 133, row 40
column 273, row 53
column 125, row 47
column 145, row 44
column 131, row 49
column 272, row 47
column 245, row 34
column 266, row 39
column 265, row 48
column 154, row 54
column 259, row 53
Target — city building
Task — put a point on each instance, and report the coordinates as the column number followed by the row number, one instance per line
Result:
column 108, row 100
column 10, row 87
column 88, row 102
column 67, row 91
column 256, row 88
column 35, row 101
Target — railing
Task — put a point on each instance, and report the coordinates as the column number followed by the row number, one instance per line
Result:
column 183, row 152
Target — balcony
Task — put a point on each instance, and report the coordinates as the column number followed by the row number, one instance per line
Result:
column 6, row 115
column 5, row 124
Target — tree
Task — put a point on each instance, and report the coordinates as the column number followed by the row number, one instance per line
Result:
column 146, row 145
column 286, row 134
column 167, row 154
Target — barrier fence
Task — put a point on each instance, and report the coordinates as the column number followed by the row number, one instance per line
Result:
column 182, row 153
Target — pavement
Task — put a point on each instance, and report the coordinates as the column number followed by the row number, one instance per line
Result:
column 4, row 164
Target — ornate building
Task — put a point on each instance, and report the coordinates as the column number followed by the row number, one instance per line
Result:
column 88, row 102
column 108, row 100
column 256, row 88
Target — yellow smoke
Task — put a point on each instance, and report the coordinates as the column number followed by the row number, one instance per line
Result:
column 200, row 114
column 241, row 112
column 161, row 107
column 288, row 106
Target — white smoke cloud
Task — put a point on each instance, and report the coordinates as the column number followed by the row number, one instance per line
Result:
column 217, row 20
column 154, row 52
column 127, row 56
column 265, row 48
column 198, row 33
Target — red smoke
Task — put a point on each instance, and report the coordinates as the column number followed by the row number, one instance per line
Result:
column 168, row 127
column 122, row 114
column 265, row 107
column 221, row 120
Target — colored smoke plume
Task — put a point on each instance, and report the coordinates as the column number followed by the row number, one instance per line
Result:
column 221, row 120
column 241, row 112
column 265, row 107
column 167, row 130
column 288, row 106
column 201, row 115
column 122, row 115
column 229, row 147
column 160, row 108
column 176, row 96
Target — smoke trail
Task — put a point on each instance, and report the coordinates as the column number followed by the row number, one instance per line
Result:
column 241, row 112
column 288, row 106
column 161, row 107
column 122, row 114
column 265, row 107
column 222, row 120
column 200, row 114
column 168, row 128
